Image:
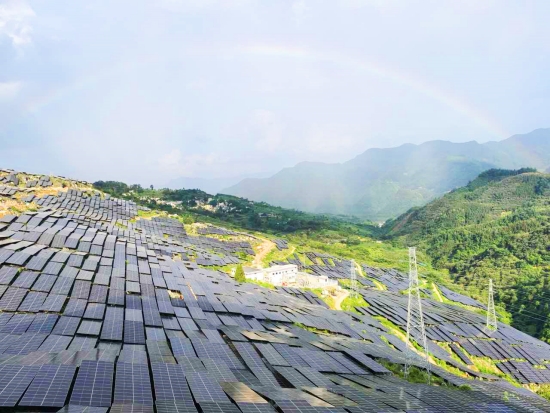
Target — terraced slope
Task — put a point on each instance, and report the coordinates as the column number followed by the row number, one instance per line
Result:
column 101, row 310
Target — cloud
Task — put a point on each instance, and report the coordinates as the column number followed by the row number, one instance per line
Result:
column 196, row 5
column 9, row 90
column 299, row 9
column 266, row 129
column 15, row 22
column 177, row 164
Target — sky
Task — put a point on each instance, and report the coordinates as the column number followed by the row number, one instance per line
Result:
column 147, row 91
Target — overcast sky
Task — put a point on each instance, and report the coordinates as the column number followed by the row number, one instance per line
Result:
column 145, row 91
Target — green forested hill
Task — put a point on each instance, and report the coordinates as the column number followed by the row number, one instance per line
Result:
column 498, row 227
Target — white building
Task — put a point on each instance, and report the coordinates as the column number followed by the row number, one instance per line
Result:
column 306, row 280
column 276, row 275
column 288, row 276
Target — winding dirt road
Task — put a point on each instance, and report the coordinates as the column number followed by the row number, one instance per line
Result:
column 263, row 249
column 340, row 298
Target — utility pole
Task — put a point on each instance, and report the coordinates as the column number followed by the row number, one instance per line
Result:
column 353, row 280
column 415, row 319
column 491, row 314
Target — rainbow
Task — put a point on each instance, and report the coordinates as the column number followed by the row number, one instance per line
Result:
column 374, row 68
column 385, row 72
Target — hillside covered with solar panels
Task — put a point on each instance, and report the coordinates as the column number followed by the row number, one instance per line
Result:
column 108, row 306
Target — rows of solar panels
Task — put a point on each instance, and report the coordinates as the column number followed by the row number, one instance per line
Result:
column 101, row 313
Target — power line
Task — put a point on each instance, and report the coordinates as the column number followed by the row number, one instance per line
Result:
column 534, row 318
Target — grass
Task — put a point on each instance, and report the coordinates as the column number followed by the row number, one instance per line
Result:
column 350, row 303
column 261, row 284
column 328, row 299
column 311, row 329
column 150, row 214
column 415, row 375
column 276, row 255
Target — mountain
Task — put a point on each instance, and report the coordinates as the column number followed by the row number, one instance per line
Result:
column 383, row 183
column 212, row 186
column 497, row 227
column 209, row 185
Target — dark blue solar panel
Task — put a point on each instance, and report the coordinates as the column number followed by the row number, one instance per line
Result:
column 94, row 383
column 50, row 387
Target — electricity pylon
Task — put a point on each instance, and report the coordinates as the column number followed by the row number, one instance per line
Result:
column 491, row 314
column 415, row 319
column 353, row 280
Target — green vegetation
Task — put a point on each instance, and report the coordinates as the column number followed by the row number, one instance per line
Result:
column 327, row 298
column 231, row 210
column 262, row 284
column 239, row 274
column 415, row 375
column 350, row 303
column 497, row 227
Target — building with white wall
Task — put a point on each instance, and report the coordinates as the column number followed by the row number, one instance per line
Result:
column 288, row 276
column 276, row 275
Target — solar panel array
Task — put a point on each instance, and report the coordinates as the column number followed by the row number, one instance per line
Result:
column 98, row 313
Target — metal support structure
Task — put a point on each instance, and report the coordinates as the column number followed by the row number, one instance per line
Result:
column 491, row 314
column 353, row 281
column 415, row 319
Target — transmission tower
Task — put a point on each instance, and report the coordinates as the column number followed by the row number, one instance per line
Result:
column 491, row 315
column 415, row 319
column 353, row 280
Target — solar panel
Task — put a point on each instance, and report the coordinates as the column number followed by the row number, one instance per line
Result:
column 12, row 298
column 43, row 323
column 25, row 279
column 134, row 332
column 170, row 383
column 75, row 307
column 55, row 343
column 113, row 324
column 18, row 324
column 53, row 303
column 66, row 326
column 80, row 343
column 205, row 389
column 94, row 311
column 14, row 380
column 50, row 387
column 219, row 370
column 62, row 285
column 94, row 382
column 90, row 327
column 44, row 283
column 33, row 302
column 132, row 384
column 165, row 406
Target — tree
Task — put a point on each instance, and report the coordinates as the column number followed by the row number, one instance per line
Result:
column 239, row 274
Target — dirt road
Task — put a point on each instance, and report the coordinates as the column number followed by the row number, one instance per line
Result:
column 341, row 296
column 263, row 249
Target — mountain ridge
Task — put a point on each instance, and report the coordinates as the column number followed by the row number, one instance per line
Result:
column 382, row 183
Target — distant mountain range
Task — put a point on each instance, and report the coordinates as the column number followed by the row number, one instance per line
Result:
column 383, row 183
column 210, row 185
